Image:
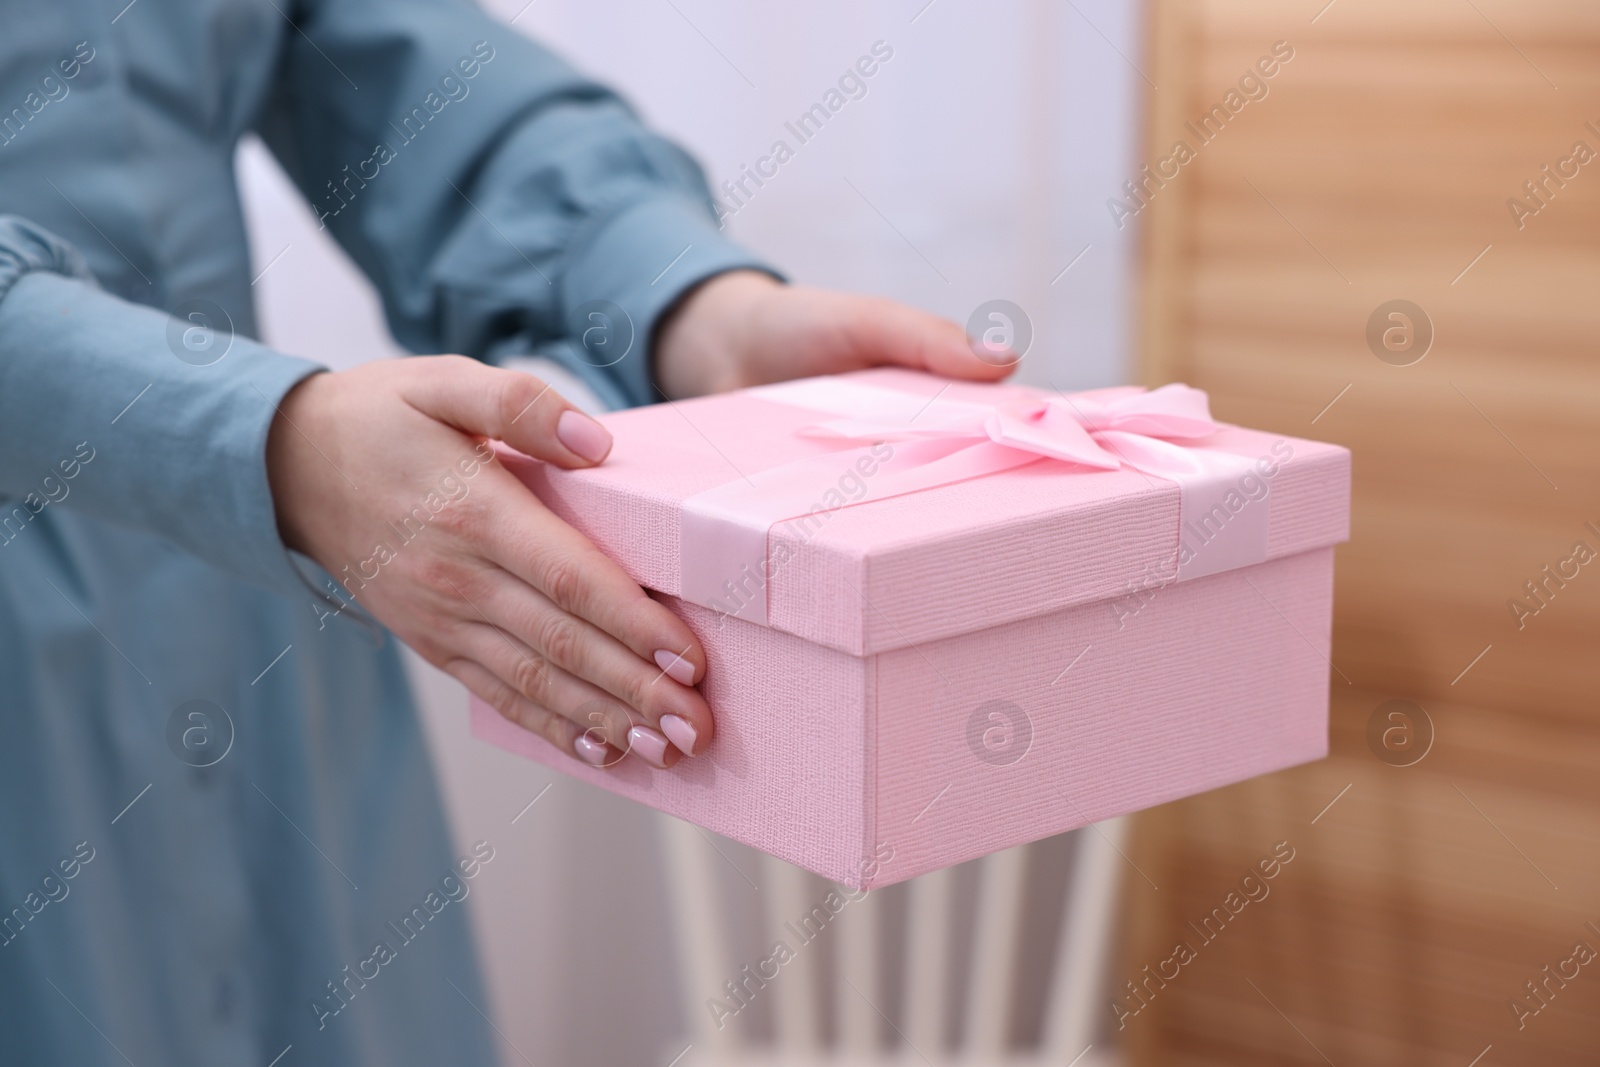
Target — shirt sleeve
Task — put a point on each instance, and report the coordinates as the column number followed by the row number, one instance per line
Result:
column 121, row 412
column 496, row 197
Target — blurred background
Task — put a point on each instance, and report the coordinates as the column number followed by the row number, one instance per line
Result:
column 1448, row 853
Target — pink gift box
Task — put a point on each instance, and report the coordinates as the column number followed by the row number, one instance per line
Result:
column 946, row 673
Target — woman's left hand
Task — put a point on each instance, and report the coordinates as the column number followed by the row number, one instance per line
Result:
column 746, row 328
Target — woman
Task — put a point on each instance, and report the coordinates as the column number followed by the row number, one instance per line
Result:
column 217, row 804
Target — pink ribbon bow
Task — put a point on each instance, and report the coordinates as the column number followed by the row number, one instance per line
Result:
column 1102, row 430
column 941, row 441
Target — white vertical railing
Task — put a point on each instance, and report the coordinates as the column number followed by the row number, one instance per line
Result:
column 994, row 971
column 1085, row 943
column 858, row 992
column 797, row 1016
column 928, row 962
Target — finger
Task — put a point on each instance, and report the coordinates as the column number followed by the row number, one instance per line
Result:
column 506, row 405
column 538, row 680
column 587, row 652
column 884, row 331
column 562, row 733
column 534, row 544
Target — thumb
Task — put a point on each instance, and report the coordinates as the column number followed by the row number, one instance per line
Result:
column 508, row 406
column 890, row 332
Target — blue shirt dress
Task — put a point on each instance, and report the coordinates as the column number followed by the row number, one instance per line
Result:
column 221, row 840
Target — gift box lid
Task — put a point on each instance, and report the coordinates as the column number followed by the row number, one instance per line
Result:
column 887, row 572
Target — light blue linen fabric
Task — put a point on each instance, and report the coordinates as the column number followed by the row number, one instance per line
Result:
column 155, row 912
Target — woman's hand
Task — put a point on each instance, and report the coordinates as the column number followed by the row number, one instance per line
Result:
column 744, row 328
column 382, row 474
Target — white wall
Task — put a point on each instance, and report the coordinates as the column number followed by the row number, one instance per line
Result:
column 980, row 159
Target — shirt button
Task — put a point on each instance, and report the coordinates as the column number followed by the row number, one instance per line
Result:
column 222, row 998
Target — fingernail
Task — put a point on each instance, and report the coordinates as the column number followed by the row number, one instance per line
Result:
column 675, row 666
column 583, row 435
column 649, row 745
column 683, row 735
column 589, row 750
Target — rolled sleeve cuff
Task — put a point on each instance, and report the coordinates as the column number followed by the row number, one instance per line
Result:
column 26, row 249
column 643, row 259
column 179, row 449
column 265, row 560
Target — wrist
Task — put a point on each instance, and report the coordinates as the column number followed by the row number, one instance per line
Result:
column 702, row 343
column 285, row 457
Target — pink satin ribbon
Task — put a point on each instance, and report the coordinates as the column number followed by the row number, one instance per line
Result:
column 937, row 442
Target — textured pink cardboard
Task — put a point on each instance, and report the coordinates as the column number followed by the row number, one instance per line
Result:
column 953, row 672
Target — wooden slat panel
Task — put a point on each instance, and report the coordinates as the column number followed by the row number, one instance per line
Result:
column 1378, row 167
column 1406, row 920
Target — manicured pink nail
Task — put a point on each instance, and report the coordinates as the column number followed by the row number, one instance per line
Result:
column 682, row 734
column 583, row 435
column 592, row 752
column 648, row 745
column 675, row 666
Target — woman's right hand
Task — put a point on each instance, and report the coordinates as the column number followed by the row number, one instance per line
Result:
column 491, row 586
